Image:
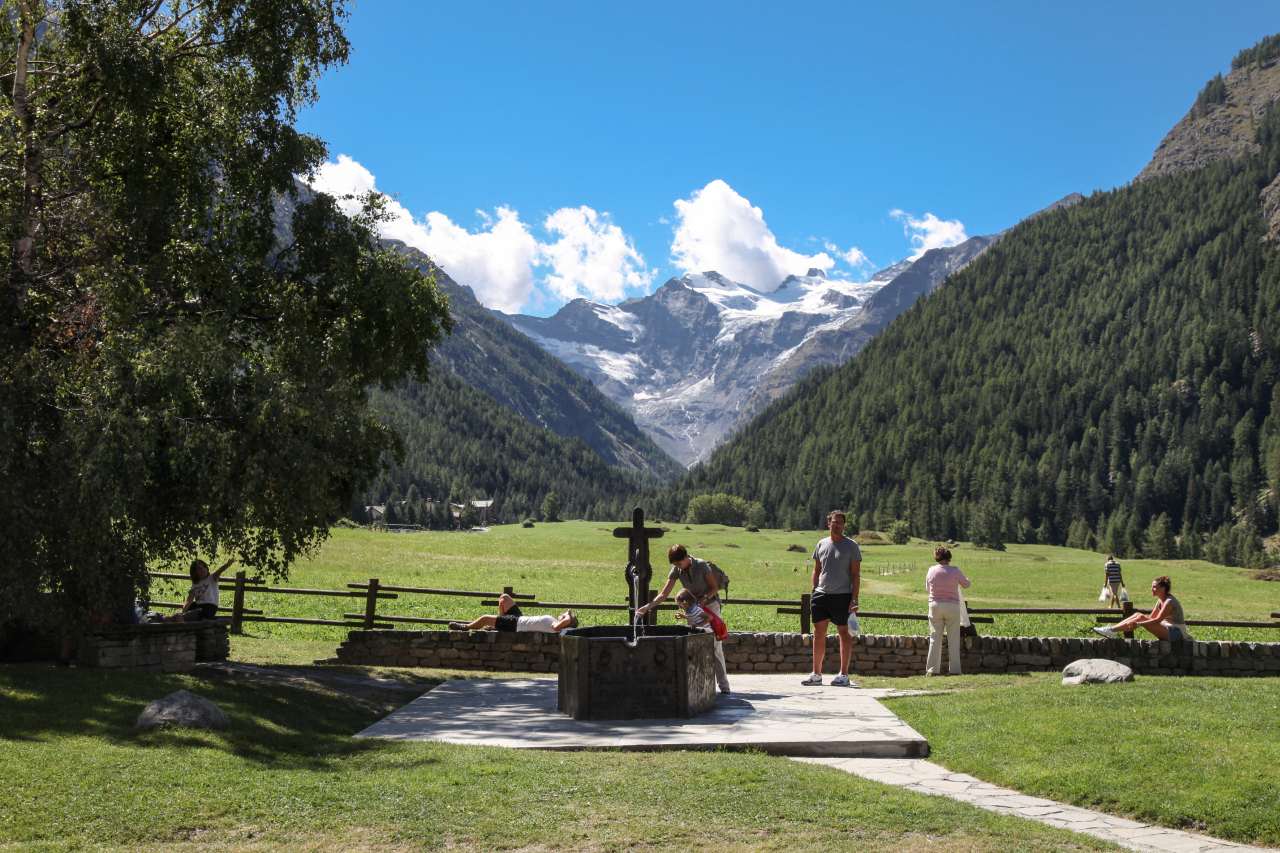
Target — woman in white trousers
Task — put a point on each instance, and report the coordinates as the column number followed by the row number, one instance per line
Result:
column 943, row 581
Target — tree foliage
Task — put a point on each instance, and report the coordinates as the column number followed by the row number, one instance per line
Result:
column 180, row 370
column 1213, row 93
column 1105, row 369
column 721, row 508
column 1261, row 53
column 899, row 532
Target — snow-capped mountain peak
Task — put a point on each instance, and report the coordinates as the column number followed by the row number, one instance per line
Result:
column 684, row 358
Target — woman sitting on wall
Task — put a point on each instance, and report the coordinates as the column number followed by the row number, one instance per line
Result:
column 202, row 600
column 1166, row 621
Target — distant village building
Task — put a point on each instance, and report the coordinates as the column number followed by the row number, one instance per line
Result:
column 483, row 506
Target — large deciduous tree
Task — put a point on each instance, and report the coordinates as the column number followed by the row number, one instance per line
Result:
column 186, row 337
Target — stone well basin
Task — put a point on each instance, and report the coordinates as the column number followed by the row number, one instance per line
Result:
column 670, row 673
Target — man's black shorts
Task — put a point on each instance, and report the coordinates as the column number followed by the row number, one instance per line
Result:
column 824, row 606
column 509, row 620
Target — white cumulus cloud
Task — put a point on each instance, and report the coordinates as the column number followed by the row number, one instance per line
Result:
column 717, row 229
column 592, row 257
column 929, row 232
column 853, row 257
column 588, row 256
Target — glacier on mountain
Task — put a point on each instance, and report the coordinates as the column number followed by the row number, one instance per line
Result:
column 685, row 358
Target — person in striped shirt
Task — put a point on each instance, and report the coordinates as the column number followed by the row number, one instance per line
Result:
column 1112, row 579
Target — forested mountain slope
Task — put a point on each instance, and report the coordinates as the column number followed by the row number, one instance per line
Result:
column 499, row 418
column 460, row 445
column 1107, row 371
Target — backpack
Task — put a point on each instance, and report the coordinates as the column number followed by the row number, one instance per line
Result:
column 722, row 580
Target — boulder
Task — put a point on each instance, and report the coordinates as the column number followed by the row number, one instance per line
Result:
column 184, row 709
column 1095, row 671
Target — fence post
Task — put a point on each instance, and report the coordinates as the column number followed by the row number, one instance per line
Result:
column 651, row 618
column 371, row 604
column 237, row 604
column 1127, row 607
column 805, row 624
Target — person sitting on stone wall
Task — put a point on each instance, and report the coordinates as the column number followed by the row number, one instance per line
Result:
column 510, row 619
column 202, row 600
column 1166, row 621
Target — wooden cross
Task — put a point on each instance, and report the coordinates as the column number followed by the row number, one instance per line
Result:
column 638, row 566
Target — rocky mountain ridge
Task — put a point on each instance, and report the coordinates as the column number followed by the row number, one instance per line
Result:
column 701, row 355
column 1222, row 124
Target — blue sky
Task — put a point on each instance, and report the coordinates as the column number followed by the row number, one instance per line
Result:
column 539, row 150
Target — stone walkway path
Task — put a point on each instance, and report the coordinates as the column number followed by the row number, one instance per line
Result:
column 925, row 777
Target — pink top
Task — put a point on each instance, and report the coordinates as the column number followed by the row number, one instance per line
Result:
column 943, row 583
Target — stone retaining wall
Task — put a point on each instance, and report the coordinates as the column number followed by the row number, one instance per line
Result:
column 166, row 647
column 485, row 650
column 873, row 654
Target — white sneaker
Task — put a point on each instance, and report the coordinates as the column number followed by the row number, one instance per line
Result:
column 814, row 678
column 1109, row 633
column 840, row 680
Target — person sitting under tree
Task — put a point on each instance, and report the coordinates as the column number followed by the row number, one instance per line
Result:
column 1166, row 621
column 510, row 619
column 202, row 600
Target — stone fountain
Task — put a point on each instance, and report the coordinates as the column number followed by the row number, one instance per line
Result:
column 637, row 671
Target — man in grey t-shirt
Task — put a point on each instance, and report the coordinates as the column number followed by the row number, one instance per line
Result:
column 837, row 574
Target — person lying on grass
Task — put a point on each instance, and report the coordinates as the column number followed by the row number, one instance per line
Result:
column 698, row 616
column 202, row 600
column 509, row 618
column 1166, row 621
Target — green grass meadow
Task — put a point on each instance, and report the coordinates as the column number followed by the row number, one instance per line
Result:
column 1201, row 754
column 581, row 561
column 287, row 775
column 1195, row 753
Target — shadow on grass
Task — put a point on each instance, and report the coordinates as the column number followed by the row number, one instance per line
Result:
column 291, row 724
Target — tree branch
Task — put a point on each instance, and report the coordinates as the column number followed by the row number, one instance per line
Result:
column 178, row 18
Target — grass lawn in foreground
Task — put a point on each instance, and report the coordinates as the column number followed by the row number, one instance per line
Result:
column 1201, row 754
column 582, row 561
column 288, row 775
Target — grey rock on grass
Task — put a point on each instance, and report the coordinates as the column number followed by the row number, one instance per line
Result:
column 182, row 708
column 1095, row 671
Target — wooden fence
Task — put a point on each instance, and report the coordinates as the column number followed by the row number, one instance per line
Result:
column 370, row 592
column 373, row 591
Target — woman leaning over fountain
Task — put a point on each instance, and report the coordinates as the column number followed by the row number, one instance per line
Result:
column 696, row 576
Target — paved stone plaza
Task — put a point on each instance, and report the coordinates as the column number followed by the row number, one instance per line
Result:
column 771, row 713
